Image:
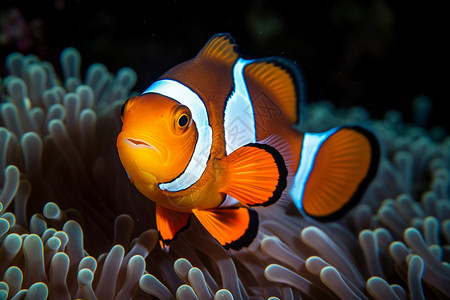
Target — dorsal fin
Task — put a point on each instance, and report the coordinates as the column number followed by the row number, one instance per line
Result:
column 220, row 46
column 282, row 81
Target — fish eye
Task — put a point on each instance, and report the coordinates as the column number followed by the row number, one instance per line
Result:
column 183, row 120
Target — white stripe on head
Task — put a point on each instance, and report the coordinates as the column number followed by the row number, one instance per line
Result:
column 311, row 144
column 197, row 165
column 239, row 119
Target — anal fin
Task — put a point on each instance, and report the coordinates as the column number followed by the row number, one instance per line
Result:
column 232, row 227
column 170, row 223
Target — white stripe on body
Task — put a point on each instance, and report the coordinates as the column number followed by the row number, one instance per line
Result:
column 311, row 144
column 239, row 119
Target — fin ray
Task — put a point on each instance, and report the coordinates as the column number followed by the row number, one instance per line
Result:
column 282, row 81
column 220, row 46
column 343, row 166
column 256, row 174
column 170, row 223
column 232, row 227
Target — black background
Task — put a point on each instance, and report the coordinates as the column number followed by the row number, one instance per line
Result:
column 377, row 54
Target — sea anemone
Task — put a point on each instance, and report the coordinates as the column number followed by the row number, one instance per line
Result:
column 72, row 226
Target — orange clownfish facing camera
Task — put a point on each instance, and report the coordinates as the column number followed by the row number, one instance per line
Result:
column 214, row 136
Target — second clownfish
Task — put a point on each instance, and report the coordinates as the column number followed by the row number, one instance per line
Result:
column 214, row 137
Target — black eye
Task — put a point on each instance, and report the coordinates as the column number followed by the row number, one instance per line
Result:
column 183, row 120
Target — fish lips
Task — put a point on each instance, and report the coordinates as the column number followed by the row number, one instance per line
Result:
column 139, row 141
column 142, row 150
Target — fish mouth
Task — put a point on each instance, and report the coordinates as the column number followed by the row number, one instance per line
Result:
column 144, row 144
column 139, row 143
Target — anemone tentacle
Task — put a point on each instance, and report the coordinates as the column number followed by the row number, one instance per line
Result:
column 71, row 225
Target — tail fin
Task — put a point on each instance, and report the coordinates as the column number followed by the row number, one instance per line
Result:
column 335, row 169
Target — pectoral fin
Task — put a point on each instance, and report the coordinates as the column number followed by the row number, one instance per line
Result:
column 256, row 174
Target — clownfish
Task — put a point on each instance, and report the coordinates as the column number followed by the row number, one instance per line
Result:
column 214, row 137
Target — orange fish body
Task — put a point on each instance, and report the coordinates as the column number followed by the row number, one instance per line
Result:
column 214, row 136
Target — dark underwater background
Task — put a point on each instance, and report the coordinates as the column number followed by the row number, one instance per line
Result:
column 71, row 224
column 377, row 54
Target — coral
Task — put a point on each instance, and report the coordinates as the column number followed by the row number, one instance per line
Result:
column 72, row 226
